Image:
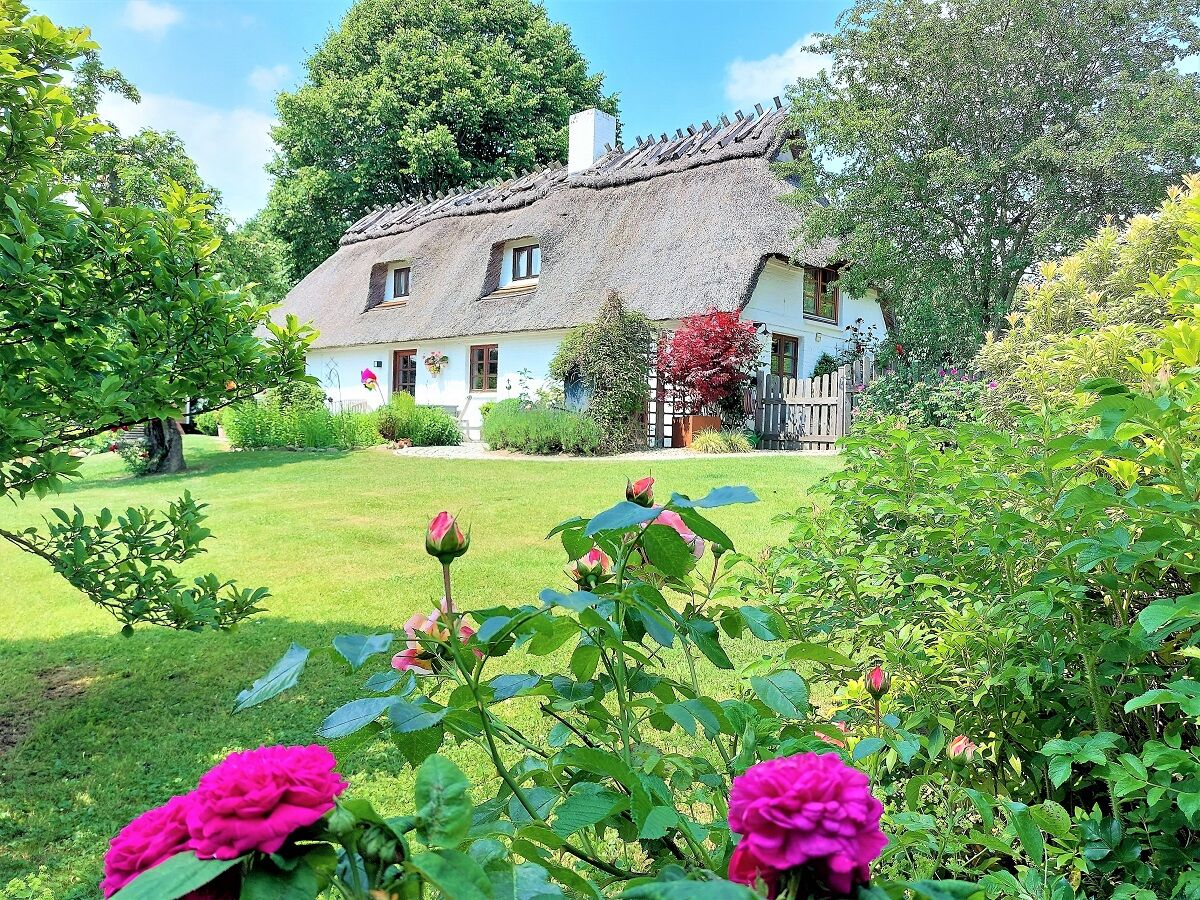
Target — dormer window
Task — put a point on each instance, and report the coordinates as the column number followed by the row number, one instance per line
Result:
column 399, row 282
column 527, row 262
column 521, row 263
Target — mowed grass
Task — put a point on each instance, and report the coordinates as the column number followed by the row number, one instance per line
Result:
column 95, row 727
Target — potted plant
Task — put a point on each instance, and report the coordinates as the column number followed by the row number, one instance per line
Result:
column 705, row 363
column 435, row 361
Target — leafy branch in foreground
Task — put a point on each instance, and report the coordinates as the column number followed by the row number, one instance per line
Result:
column 110, row 317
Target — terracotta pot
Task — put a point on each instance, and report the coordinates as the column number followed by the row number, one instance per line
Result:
column 684, row 428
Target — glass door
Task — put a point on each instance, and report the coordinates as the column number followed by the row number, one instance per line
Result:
column 404, row 371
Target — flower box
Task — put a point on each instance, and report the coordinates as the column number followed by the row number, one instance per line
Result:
column 684, row 428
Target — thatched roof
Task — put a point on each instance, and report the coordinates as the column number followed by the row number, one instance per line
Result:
column 676, row 225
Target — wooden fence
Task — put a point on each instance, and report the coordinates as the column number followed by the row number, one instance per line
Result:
column 809, row 413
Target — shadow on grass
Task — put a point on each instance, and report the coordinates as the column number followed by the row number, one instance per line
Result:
column 204, row 462
column 95, row 728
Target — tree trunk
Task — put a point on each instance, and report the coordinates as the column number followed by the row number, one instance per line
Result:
column 164, row 443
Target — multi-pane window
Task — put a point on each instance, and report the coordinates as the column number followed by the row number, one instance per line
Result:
column 526, row 262
column 485, row 366
column 401, row 278
column 821, row 293
column 785, row 355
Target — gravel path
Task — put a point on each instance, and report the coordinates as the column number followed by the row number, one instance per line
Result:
column 478, row 450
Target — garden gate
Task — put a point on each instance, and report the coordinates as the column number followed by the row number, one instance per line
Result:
column 809, row 413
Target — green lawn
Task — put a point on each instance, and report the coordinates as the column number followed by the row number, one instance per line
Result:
column 95, row 727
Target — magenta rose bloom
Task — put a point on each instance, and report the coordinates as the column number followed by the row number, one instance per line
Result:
column 256, row 799
column 153, row 837
column 808, row 809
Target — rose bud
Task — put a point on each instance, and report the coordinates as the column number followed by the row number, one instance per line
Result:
column 878, row 682
column 961, row 749
column 590, row 569
column 640, row 492
column 445, row 539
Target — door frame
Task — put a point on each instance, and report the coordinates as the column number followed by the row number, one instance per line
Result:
column 398, row 355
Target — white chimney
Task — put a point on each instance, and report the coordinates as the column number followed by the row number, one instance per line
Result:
column 590, row 131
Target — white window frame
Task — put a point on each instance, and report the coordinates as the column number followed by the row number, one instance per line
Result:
column 506, row 269
column 389, row 288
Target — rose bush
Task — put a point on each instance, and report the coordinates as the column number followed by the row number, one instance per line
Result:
column 627, row 788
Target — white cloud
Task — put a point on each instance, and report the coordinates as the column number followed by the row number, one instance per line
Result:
column 230, row 146
column 151, row 18
column 268, row 79
column 750, row 81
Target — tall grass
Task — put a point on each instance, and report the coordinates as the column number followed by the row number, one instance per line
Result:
column 257, row 426
column 540, row 430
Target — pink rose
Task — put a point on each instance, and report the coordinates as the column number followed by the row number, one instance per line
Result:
column 256, row 799
column 590, row 569
column 444, row 539
column 807, row 809
column 152, row 838
column 961, row 749
column 745, row 869
column 369, row 379
column 671, row 519
column 640, row 492
column 878, row 682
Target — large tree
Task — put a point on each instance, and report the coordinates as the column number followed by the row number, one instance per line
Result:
column 413, row 97
column 957, row 142
column 110, row 316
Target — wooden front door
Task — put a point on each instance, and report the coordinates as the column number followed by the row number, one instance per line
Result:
column 404, row 371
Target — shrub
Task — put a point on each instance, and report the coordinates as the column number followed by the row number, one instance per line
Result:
column 395, row 418
column 297, row 395
column 634, row 780
column 720, row 442
column 260, row 425
column 825, row 365
column 208, row 422
column 939, row 399
column 1032, row 595
column 433, row 427
column 612, row 357
column 514, row 425
column 1087, row 313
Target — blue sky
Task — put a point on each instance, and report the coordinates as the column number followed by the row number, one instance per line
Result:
column 209, row 69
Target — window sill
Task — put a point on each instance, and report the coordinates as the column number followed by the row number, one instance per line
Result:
column 390, row 303
column 824, row 321
column 515, row 289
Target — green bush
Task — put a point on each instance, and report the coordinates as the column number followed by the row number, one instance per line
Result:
column 395, row 418
column 208, row 422
column 721, row 442
column 433, row 427
column 1033, row 593
column 1086, row 314
column 938, row 399
column 825, row 365
column 513, row 425
column 612, row 356
column 296, row 395
column 255, row 426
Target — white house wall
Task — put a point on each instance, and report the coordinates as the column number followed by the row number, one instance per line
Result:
column 778, row 304
column 340, row 369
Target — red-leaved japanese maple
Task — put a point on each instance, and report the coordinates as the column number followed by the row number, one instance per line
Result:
column 708, row 358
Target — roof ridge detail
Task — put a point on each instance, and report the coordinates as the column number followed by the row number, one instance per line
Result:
column 756, row 134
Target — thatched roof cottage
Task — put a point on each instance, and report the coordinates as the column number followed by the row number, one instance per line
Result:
column 492, row 278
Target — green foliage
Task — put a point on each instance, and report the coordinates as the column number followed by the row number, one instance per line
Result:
column 514, row 425
column 89, row 291
column 395, row 418
column 411, row 97
column 208, row 422
column 612, row 357
column 956, row 143
column 29, row 887
column 825, row 365
column 1088, row 312
column 721, row 442
column 434, row 427
column 940, row 399
column 257, row 426
column 1036, row 590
